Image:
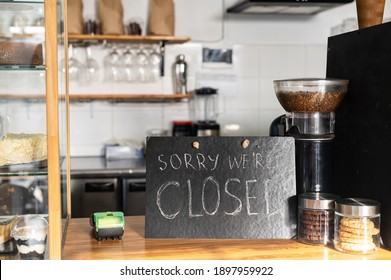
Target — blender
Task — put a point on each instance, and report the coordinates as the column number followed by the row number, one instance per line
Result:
column 310, row 106
column 206, row 111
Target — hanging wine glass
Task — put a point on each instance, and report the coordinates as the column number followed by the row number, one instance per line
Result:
column 154, row 63
column 128, row 63
column 112, row 66
column 74, row 66
column 142, row 62
column 90, row 70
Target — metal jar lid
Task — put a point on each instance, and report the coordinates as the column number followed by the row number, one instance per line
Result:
column 316, row 200
column 357, row 207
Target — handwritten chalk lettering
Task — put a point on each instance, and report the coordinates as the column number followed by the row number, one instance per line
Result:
column 258, row 158
column 191, row 215
column 240, row 204
column 214, row 186
column 243, row 161
column 158, row 199
column 248, row 197
column 213, row 180
column 187, row 161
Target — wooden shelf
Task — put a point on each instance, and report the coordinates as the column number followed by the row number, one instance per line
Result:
column 11, row 96
column 132, row 98
column 128, row 38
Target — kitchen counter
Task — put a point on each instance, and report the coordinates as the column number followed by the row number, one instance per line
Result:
column 80, row 244
column 99, row 166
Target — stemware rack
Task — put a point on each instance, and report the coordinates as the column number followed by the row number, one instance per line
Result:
column 86, row 40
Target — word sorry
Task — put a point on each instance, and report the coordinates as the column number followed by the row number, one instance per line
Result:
column 200, row 161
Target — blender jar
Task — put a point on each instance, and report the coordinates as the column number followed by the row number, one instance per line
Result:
column 206, row 104
column 206, row 112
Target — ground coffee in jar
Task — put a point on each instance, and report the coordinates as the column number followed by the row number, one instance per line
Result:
column 357, row 226
column 316, row 218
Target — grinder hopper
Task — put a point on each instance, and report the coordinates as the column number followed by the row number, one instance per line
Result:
column 310, row 106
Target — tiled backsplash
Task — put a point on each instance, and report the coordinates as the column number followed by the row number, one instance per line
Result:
column 249, row 111
column 264, row 49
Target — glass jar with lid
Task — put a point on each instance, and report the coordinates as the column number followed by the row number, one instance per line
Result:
column 316, row 218
column 357, row 226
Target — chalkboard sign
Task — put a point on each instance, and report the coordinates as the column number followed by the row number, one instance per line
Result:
column 220, row 187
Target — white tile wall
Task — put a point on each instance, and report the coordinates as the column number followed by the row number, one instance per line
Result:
column 264, row 49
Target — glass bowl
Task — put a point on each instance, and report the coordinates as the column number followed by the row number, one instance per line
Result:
column 310, row 94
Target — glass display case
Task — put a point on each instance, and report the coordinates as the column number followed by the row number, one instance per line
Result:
column 34, row 129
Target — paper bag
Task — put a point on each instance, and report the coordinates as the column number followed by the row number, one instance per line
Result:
column 111, row 17
column 75, row 17
column 369, row 12
column 161, row 18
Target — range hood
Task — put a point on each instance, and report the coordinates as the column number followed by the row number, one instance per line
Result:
column 290, row 7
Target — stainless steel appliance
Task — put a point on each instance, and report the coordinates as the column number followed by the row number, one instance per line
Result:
column 89, row 195
column 98, row 185
column 310, row 105
column 290, row 7
column 134, row 189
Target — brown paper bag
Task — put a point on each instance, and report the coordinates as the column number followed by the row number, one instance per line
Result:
column 161, row 19
column 111, row 17
column 369, row 12
column 75, row 22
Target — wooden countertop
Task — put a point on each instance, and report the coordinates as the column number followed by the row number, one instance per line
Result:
column 81, row 245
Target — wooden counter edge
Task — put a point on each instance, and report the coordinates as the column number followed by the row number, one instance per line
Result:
column 80, row 244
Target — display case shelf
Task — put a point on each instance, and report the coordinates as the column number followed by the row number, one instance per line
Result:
column 22, row 68
column 23, row 170
column 22, row 2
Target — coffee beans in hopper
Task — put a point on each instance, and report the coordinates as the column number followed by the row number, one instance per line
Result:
column 306, row 101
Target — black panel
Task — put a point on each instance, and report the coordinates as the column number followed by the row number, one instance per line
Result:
column 363, row 121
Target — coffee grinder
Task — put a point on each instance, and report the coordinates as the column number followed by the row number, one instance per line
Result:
column 206, row 112
column 310, row 106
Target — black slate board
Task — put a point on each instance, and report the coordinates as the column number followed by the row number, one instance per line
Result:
column 221, row 189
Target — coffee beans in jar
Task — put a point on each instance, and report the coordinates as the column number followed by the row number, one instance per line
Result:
column 357, row 226
column 316, row 218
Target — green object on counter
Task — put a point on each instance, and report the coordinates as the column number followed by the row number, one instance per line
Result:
column 108, row 225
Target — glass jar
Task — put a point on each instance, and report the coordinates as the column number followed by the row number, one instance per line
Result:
column 357, row 226
column 316, row 218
